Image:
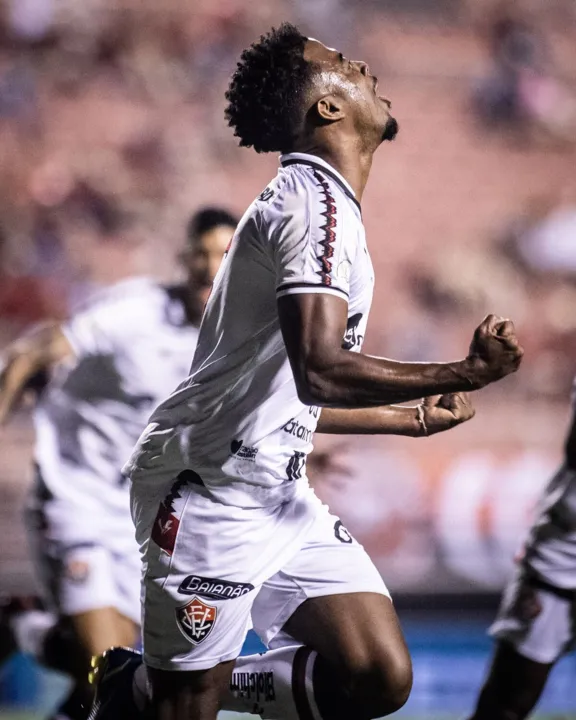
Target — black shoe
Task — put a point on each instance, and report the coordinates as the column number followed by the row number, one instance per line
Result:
column 112, row 676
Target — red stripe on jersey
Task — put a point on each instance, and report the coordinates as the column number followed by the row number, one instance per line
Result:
column 329, row 230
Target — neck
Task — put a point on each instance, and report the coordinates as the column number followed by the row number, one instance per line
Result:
column 194, row 308
column 353, row 164
column 193, row 305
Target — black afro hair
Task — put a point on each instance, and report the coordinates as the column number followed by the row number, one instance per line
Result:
column 266, row 91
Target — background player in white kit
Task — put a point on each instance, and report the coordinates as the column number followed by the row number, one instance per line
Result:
column 230, row 532
column 111, row 364
column 536, row 623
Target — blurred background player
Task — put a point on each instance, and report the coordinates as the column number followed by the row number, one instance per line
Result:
column 536, row 624
column 109, row 365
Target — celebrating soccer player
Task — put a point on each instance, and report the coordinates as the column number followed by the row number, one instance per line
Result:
column 231, row 535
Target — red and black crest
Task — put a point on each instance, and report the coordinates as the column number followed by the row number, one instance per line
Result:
column 196, row 619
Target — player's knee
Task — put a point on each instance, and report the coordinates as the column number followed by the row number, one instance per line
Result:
column 382, row 684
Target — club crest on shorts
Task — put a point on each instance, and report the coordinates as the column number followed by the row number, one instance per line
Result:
column 77, row 571
column 196, row 620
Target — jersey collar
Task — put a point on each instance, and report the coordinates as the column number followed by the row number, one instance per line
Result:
column 297, row 158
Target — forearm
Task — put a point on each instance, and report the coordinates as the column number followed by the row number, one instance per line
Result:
column 36, row 351
column 386, row 420
column 352, row 380
column 14, row 377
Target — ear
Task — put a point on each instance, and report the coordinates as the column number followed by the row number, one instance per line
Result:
column 330, row 108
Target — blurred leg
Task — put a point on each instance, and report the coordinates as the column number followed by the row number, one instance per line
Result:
column 75, row 640
column 103, row 628
column 513, row 687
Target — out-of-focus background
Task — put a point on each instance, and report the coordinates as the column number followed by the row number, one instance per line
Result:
column 115, row 105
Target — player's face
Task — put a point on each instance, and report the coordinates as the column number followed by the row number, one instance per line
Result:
column 352, row 81
column 203, row 259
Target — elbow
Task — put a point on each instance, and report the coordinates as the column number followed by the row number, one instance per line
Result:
column 315, row 388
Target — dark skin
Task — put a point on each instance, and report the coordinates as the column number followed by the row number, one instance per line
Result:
column 439, row 413
column 515, row 683
column 347, row 118
column 346, row 123
column 513, row 687
column 363, row 669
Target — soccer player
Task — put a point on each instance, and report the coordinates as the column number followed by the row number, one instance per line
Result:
column 536, row 624
column 111, row 365
column 230, row 533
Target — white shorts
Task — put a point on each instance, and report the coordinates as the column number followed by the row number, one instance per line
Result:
column 83, row 564
column 539, row 621
column 213, row 571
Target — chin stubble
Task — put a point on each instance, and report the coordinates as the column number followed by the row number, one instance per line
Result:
column 390, row 129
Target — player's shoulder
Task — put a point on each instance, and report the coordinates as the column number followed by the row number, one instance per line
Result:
column 313, row 176
column 304, row 186
column 295, row 181
column 121, row 301
column 122, row 292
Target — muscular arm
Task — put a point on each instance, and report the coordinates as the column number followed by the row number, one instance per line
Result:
column 386, row 420
column 327, row 375
column 433, row 415
column 38, row 350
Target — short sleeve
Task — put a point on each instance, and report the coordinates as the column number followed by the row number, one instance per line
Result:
column 113, row 319
column 312, row 251
column 92, row 331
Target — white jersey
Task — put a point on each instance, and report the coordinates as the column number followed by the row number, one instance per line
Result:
column 133, row 346
column 551, row 546
column 237, row 420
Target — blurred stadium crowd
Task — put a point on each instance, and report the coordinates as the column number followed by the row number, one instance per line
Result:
column 109, row 107
column 112, row 133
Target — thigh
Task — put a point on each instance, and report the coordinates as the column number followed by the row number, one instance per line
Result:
column 203, row 565
column 353, row 630
column 331, row 563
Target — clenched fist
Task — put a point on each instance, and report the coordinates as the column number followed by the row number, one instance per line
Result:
column 494, row 352
column 441, row 412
